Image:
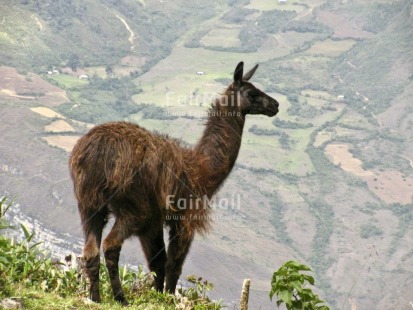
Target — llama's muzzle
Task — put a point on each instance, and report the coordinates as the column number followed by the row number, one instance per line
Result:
column 271, row 106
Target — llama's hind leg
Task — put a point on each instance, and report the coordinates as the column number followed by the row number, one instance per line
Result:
column 93, row 223
column 112, row 246
column 153, row 246
column 180, row 240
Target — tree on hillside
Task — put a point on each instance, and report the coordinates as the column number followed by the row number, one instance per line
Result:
column 109, row 70
column 73, row 62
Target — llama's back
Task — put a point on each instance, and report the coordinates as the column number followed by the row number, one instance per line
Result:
column 112, row 157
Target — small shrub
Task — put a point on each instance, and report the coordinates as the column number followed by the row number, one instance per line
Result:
column 289, row 285
column 370, row 230
column 290, row 125
column 196, row 297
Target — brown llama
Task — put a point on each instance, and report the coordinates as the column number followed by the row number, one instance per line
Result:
column 137, row 176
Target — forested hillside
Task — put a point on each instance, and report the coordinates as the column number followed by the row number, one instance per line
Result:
column 328, row 181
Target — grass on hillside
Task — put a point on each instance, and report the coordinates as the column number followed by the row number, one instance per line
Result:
column 264, row 5
column 30, row 276
column 215, row 37
column 68, row 82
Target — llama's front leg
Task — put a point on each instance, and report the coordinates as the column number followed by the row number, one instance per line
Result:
column 112, row 246
column 180, row 240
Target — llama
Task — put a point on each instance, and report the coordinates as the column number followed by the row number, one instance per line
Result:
column 137, row 176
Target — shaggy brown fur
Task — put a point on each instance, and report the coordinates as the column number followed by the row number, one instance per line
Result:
column 122, row 169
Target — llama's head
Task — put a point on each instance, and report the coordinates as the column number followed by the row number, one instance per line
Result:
column 249, row 99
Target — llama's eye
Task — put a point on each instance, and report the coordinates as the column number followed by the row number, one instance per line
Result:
column 250, row 93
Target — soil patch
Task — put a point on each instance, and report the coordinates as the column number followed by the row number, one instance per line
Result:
column 389, row 186
column 340, row 155
column 63, row 142
column 47, row 112
column 59, row 126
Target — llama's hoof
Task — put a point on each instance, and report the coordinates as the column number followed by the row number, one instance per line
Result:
column 89, row 301
column 122, row 301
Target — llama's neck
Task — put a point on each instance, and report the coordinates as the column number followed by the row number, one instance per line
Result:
column 219, row 146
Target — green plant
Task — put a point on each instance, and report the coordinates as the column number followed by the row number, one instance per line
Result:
column 4, row 206
column 289, row 284
column 201, row 287
column 196, row 297
column 26, row 263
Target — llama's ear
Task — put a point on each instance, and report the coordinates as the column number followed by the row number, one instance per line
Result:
column 250, row 73
column 238, row 74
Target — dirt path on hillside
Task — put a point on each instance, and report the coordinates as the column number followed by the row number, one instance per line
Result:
column 303, row 14
column 407, row 158
column 132, row 37
column 39, row 24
